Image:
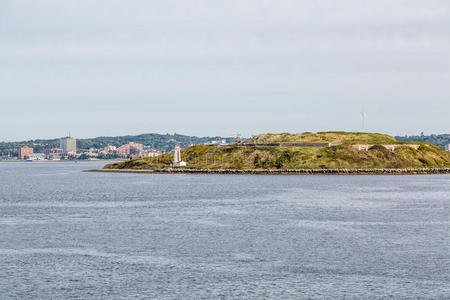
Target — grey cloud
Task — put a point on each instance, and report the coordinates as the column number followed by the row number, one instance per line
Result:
column 224, row 60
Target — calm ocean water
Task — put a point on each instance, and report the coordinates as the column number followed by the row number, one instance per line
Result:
column 67, row 234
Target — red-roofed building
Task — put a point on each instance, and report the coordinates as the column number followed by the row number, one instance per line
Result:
column 23, row 152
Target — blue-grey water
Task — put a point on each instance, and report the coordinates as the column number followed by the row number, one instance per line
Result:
column 67, row 234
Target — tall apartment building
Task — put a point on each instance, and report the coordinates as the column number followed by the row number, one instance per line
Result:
column 24, row 151
column 68, row 144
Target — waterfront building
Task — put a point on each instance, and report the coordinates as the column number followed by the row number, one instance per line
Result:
column 109, row 149
column 37, row 156
column 447, row 148
column 177, row 162
column 222, row 142
column 150, row 153
column 23, row 152
column 68, row 145
column 131, row 148
column 54, row 152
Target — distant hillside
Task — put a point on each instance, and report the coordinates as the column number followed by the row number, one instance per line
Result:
column 161, row 142
column 342, row 156
column 440, row 140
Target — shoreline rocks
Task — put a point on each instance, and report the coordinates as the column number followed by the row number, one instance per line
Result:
column 283, row 172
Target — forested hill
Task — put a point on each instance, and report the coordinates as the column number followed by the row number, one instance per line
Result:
column 162, row 142
column 440, row 140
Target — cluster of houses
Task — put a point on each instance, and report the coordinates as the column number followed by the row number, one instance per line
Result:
column 130, row 150
column 68, row 150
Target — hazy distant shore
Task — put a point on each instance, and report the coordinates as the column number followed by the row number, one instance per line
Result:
column 283, row 172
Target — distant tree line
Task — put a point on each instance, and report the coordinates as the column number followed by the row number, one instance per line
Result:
column 440, row 140
column 160, row 142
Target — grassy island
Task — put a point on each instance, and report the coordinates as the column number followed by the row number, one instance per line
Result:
column 322, row 150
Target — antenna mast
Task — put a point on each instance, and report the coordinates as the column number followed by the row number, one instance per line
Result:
column 363, row 115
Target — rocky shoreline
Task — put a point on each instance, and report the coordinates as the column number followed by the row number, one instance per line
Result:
column 283, row 172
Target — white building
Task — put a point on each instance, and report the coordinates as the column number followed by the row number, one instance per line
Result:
column 447, row 148
column 177, row 162
column 68, row 144
column 109, row 149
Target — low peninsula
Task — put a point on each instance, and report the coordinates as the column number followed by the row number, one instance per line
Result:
column 305, row 153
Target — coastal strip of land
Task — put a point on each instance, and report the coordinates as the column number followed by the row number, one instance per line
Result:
column 281, row 171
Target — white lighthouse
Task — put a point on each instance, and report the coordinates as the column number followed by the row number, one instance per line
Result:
column 177, row 162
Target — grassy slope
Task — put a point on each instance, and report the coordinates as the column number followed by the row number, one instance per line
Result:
column 340, row 156
column 326, row 137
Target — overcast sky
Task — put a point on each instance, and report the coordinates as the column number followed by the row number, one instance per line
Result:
column 219, row 67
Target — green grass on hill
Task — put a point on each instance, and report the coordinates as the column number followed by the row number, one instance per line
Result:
column 325, row 137
column 342, row 156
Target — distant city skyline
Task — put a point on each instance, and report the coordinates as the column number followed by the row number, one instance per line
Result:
column 213, row 68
